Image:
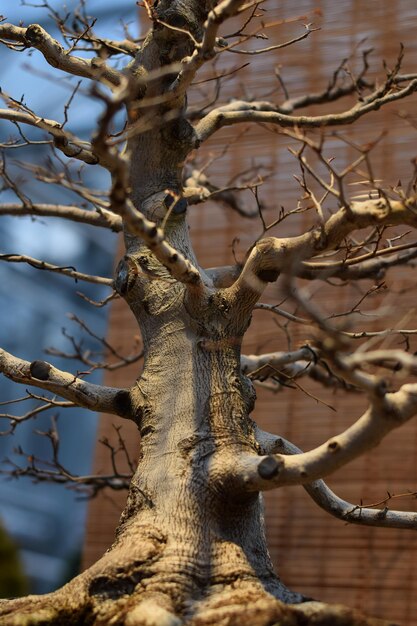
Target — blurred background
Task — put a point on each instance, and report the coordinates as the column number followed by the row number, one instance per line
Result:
column 47, row 521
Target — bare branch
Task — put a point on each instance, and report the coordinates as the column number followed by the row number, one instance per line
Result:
column 205, row 50
column 387, row 332
column 85, row 356
column 104, row 47
column 53, row 471
column 199, row 189
column 178, row 266
column 88, row 485
column 283, row 369
column 397, row 359
column 47, row 403
column 272, row 308
column 34, row 36
column 373, row 268
column 331, row 503
column 63, row 175
column 279, row 46
column 272, row 256
column 101, row 303
column 239, row 111
column 65, row 141
column 358, row 514
column 334, row 90
column 45, row 376
column 136, row 223
column 254, row 362
column 386, row 413
column 66, row 271
column 105, row 219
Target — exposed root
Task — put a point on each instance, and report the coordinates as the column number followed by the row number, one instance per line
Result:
column 47, row 610
column 231, row 608
column 147, row 613
column 321, row 614
column 248, row 607
column 138, row 583
column 239, row 607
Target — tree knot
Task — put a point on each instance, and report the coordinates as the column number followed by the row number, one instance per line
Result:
column 268, row 467
column 40, row 370
column 34, row 34
column 126, row 273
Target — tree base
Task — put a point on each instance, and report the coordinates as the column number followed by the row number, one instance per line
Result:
column 229, row 608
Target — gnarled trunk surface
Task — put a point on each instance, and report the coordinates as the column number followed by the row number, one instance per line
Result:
column 190, row 548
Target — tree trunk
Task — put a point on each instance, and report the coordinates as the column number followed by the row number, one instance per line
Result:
column 190, row 548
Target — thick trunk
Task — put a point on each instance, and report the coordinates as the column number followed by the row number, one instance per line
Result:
column 190, row 549
column 192, row 407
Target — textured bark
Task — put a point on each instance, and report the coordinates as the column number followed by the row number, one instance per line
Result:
column 190, row 547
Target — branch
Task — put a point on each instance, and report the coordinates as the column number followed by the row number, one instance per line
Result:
column 343, row 510
column 273, row 308
column 373, row 268
column 103, row 47
column 45, row 376
column 254, row 362
column 90, row 485
column 240, row 111
column 357, row 514
column 387, row 332
column 281, row 369
column 204, row 51
column 66, row 271
column 278, row 46
column 15, row 420
column 85, row 356
column 330, row 502
column 65, row 141
column 65, row 177
column 390, row 411
column 103, row 218
column 333, row 91
column 219, row 14
column 34, row 36
column 199, row 189
column 393, row 359
column 54, row 471
column 137, row 224
column 272, row 256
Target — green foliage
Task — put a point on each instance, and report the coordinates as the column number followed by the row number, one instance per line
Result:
column 12, row 579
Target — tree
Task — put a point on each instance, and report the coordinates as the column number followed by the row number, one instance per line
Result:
column 190, row 547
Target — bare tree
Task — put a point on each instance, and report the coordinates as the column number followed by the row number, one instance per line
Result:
column 190, row 547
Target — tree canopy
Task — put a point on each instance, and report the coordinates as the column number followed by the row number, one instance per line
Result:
column 190, row 547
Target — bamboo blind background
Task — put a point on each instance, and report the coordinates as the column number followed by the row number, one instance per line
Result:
column 372, row 569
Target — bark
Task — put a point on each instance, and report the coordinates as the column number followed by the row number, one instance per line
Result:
column 190, row 548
